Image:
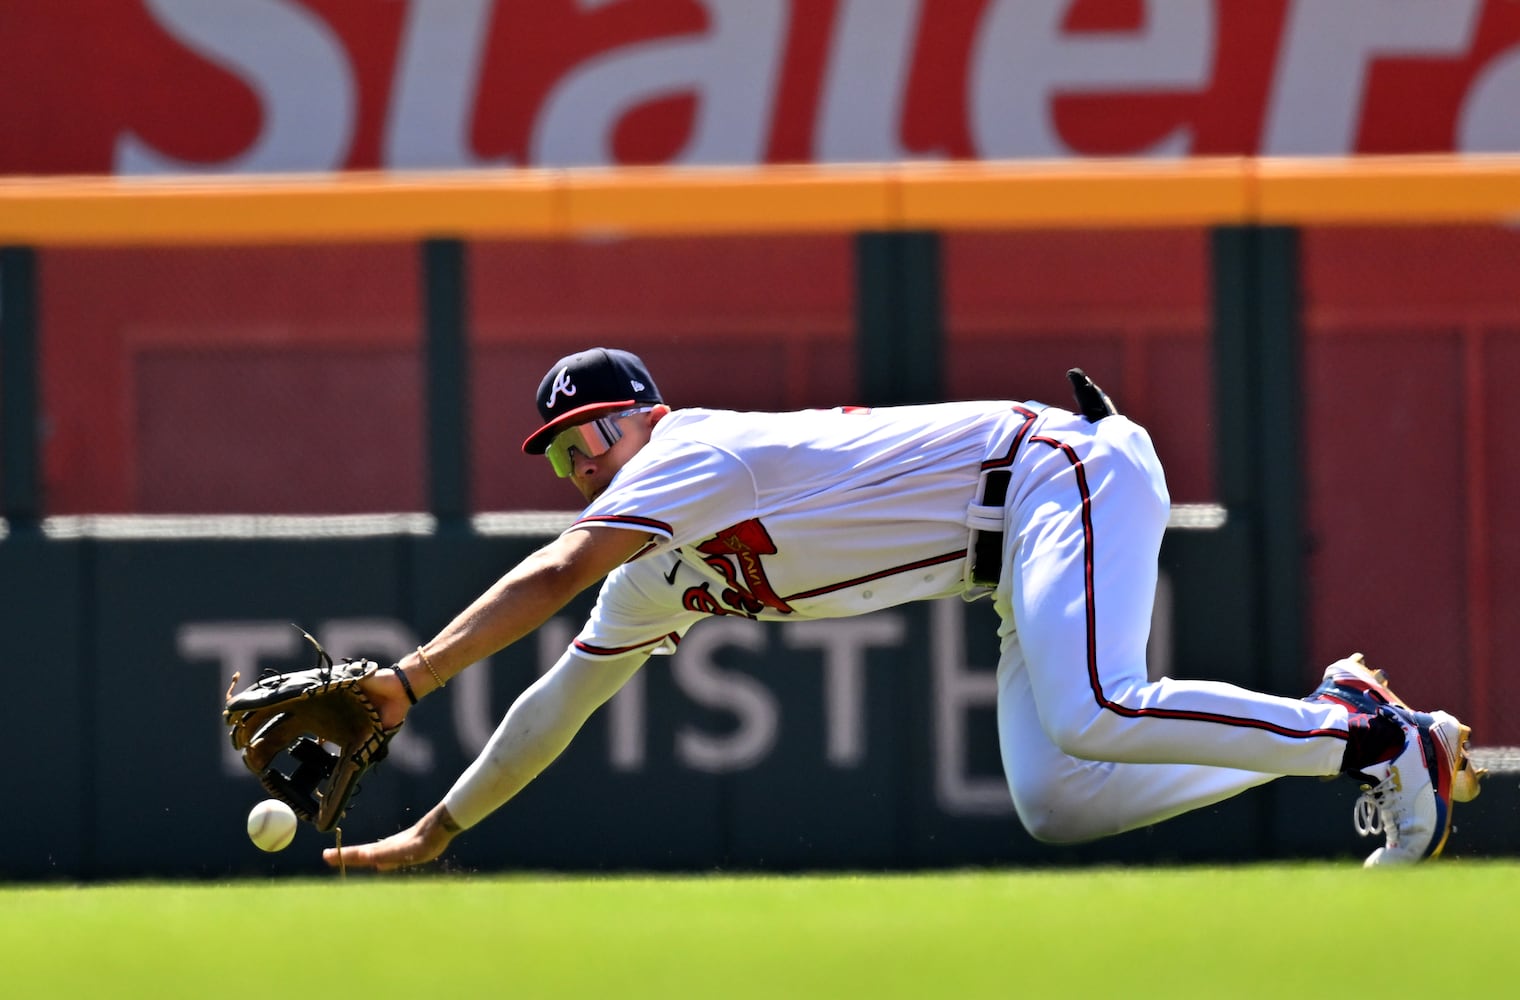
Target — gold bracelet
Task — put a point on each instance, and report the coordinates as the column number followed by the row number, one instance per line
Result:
column 430, row 669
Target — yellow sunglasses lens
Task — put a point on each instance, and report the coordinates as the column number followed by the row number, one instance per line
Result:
column 589, row 439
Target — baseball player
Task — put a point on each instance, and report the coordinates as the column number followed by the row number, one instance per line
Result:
column 1056, row 515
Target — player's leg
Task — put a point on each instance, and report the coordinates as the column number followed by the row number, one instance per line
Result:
column 1064, row 799
column 1077, row 588
column 1079, row 579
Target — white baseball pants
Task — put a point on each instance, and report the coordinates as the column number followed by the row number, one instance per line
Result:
column 1090, row 746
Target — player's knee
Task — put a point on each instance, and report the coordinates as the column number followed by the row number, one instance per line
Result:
column 1050, row 828
column 1051, row 821
column 1048, row 812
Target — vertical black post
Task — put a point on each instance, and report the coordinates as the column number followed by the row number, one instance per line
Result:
column 1235, row 336
column 899, row 328
column 20, row 501
column 1259, row 444
column 1280, row 444
column 445, row 305
column 875, row 305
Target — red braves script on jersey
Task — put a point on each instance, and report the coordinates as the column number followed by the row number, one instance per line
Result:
column 813, row 514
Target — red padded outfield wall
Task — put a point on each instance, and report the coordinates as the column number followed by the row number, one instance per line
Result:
column 212, row 381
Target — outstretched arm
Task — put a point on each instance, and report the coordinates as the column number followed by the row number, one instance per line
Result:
column 513, row 607
column 537, row 728
column 544, row 718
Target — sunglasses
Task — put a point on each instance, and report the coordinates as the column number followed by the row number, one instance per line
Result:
column 590, row 439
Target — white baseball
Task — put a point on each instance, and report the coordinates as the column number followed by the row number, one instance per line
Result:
column 271, row 825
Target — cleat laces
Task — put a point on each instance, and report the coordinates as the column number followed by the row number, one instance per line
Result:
column 1367, row 816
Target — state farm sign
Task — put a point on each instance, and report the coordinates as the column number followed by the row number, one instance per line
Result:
column 259, row 85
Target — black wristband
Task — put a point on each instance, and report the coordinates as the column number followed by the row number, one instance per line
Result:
column 406, row 685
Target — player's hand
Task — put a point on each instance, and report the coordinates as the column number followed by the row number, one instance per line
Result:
column 384, row 690
column 418, row 844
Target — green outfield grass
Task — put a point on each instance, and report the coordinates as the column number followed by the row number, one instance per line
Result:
column 1295, row 930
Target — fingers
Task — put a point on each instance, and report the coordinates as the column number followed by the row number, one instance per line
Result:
column 382, row 855
column 359, row 856
column 427, row 839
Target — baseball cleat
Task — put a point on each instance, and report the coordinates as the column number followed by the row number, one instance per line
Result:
column 1359, row 688
column 1408, row 799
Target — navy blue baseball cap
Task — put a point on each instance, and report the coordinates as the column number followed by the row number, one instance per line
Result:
column 588, row 385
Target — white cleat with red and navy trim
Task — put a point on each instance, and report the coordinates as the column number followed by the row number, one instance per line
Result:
column 1408, row 799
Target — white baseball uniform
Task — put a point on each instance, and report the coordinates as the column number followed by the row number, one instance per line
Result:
column 824, row 514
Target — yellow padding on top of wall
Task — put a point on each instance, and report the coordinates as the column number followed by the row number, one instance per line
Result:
column 1391, row 190
column 659, row 201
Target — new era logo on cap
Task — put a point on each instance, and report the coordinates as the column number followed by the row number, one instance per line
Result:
column 587, row 385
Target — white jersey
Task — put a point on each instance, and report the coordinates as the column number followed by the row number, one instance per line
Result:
column 810, row 514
